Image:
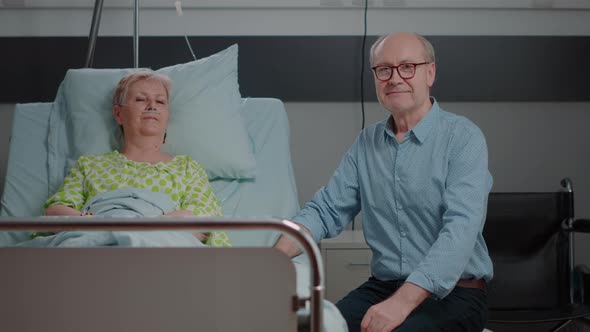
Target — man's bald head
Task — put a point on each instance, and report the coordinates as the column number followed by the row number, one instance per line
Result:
column 399, row 36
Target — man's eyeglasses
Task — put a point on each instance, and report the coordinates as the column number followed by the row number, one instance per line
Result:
column 405, row 71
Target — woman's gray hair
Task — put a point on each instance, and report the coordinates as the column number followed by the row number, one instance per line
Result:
column 122, row 88
column 428, row 48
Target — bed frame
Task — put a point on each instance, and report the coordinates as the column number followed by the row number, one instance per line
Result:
column 174, row 289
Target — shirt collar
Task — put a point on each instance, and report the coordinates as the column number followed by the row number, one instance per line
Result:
column 423, row 127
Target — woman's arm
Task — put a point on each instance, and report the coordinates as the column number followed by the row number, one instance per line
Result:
column 70, row 197
column 201, row 201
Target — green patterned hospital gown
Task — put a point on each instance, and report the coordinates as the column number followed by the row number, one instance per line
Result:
column 182, row 178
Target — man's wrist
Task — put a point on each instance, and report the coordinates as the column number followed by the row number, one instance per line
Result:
column 287, row 246
column 410, row 296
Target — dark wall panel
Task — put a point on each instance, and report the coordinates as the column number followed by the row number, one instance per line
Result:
column 318, row 68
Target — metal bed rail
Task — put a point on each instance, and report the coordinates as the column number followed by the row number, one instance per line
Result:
column 191, row 223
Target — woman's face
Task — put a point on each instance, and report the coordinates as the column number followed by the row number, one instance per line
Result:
column 145, row 112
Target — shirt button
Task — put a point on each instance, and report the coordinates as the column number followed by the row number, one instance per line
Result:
column 403, row 234
column 397, row 178
column 400, row 207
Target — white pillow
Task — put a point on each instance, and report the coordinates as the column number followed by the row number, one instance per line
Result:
column 204, row 122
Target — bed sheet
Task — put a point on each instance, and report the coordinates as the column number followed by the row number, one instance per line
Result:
column 25, row 188
column 273, row 192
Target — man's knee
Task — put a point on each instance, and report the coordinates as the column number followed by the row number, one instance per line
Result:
column 354, row 306
column 352, row 312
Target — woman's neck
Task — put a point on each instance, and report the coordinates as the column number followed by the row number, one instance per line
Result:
column 145, row 152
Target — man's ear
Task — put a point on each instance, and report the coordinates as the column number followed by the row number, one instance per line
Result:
column 431, row 74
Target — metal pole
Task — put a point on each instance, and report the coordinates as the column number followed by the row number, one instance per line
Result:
column 136, row 34
column 569, row 192
column 98, row 4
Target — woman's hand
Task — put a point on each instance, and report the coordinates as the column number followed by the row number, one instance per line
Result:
column 62, row 210
column 180, row 213
column 203, row 237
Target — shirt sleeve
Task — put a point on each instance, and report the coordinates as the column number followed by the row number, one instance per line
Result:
column 201, row 200
column 467, row 187
column 72, row 191
column 334, row 206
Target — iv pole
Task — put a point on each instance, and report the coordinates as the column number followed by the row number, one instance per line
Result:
column 96, row 15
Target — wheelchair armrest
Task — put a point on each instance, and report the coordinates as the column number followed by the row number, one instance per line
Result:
column 582, row 283
column 581, row 225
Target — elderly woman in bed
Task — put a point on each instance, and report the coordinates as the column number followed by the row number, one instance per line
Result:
column 141, row 110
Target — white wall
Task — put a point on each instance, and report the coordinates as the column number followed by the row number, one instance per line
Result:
column 296, row 21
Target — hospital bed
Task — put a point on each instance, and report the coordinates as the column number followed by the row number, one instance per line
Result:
column 250, row 287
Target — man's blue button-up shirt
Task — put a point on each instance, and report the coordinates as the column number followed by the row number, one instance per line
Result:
column 422, row 201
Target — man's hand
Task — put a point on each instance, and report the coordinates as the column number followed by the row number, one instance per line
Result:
column 288, row 246
column 391, row 313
